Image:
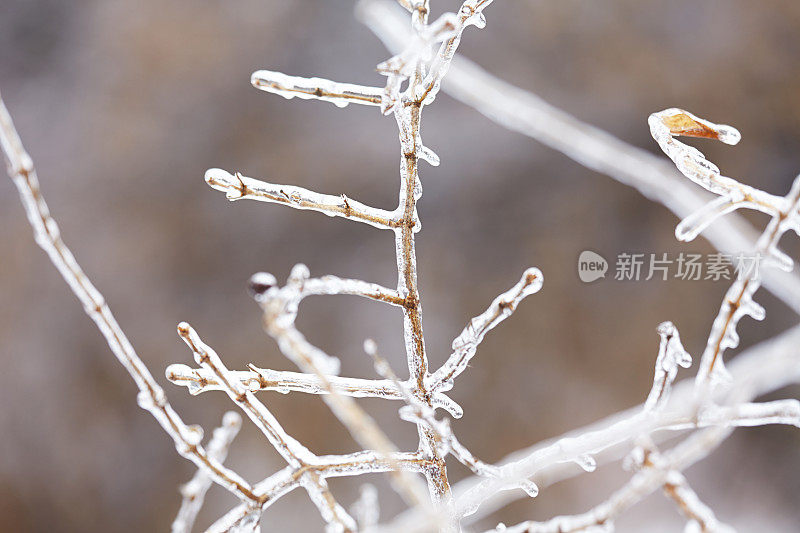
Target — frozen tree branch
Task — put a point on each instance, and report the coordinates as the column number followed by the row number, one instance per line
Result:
column 261, row 379
column 526, row 113
column 367, row 508
column 280, row 307
column 339, row 94
column 413, row 79
column 297, row 455
column 671, row 355
column 739, row 299
column 601, row 517
column 237, row 187
column 760, row 370
column 194, row 491
column 151, row 396
column 417, row 411
column 466, row 344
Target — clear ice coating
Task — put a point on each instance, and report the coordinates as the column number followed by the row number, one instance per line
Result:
column 366, row 509
column 423, row 71
column 671, row 355
column 466, row 344
column 339, row 94
column 670, row 123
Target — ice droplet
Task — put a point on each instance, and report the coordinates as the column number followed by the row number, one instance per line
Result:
column 587, row 462
column 530, row 488
column 260, row 283
column 194, row 434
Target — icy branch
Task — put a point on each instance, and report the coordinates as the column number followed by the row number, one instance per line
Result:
column 279, row 305
column 466, row 344
column 470, row 14
column 199, row 380
column 739, row 301
column 237, row 187
column 339, row 94
column 366, row 509
column 670, row 123
column 297, row 455
column 671, row 355
column 526, row 113
column 194, row 491
column 601, row 517
column 151, row 396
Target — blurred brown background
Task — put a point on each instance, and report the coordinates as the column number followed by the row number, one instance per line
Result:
column 124, row 105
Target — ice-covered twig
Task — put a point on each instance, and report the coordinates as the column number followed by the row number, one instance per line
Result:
column 670, row 123
column 419, row 412
column 466, row 344
column 738, row 300
column 151, row 396
column 325, row 466
column 199, row 380
column 470, row 14
column 290, row 449
column 759, row 370
column 237, row 187
column 524, row 112
column 701, row 517
column 750, row 414
column 297, row 455
column 279, row 305
column 366, row 509
column 671, row 355
column 339, row 94
column 645, row 482
column 194, row 491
